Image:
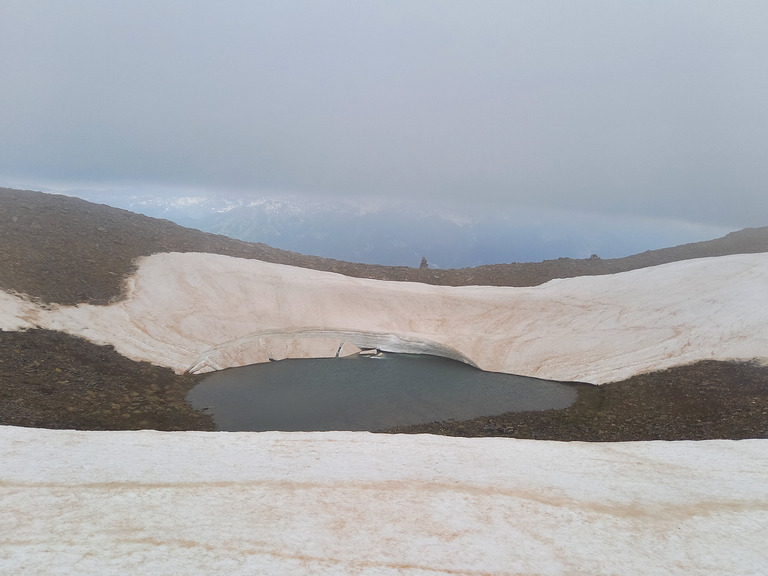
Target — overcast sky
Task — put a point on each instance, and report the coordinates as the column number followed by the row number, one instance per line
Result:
column 655, row 109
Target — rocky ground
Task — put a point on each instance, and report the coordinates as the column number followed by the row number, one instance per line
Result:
column 702, row 401
column 65, row 250
column 52, row 380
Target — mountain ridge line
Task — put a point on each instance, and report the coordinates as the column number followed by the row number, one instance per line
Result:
column 64, row 250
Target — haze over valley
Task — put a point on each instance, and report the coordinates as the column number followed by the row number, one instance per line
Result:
column 377, row 231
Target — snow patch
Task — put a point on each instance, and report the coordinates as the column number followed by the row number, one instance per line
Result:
column 184, row 308
column 357, row 503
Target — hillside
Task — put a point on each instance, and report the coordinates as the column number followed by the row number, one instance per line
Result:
column 67, row 251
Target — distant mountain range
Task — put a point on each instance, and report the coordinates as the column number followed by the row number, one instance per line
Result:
column 401, row 234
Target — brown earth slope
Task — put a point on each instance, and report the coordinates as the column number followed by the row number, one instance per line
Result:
column 64, row 250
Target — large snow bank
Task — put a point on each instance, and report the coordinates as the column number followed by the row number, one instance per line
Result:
column 203, row 312
column 356, row 503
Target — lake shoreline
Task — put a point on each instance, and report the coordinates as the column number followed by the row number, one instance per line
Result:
column 702, row 401
column 366, row 393
column 53, row 380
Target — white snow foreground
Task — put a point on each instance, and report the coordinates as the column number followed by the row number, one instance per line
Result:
column 203, row 312
column 357, row 503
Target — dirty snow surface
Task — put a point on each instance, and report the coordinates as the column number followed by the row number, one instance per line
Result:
column 203, row 312
column 146, row 502
column 357, row 503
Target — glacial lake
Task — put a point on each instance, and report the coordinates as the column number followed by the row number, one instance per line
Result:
column 366, row 393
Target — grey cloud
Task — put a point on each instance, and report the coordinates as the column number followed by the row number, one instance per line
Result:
column 652, row 109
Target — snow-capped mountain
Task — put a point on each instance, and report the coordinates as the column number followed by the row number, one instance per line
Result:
column 400, row 233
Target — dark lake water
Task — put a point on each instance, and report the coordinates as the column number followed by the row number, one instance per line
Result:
column 363, row 393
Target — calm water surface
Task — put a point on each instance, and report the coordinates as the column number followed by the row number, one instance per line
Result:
column 362, row 393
